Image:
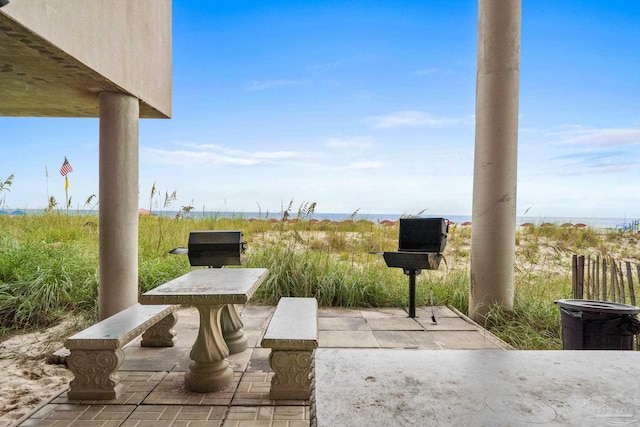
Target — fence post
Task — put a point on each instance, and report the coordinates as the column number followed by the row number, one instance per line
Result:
column 574, row 276
column 596, row 274
column 632, row 293
column 614, row 282
column 581, row 277
column 604, row 279
column 588, row 279
column 623, row 298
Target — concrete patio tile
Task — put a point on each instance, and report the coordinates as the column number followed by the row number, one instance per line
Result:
column 240, row 361
column 182, row 364
column 285, row 416
column 393, row 324
column 342, row 324
column 384, row 312
column 253, row 323
column 259, row 360
column 253, row 337
column 114, row 412
column 438, row 310
column 171, row 391
column 63, row 411
column 291, row 413
column 237, row 361
column 338, row 312
column 256, row 310
column 152, row 358
column 243, row 413
column 254, row 389
column 186, row 337
column 405, row 339
column 467, row 340
column 153, row 392
column 256, row 378
column 79, row 415
column 447, row 324
column 254, row 382
column 346, row 339
column 158, row 415
column 136, row 386
column 202, row 413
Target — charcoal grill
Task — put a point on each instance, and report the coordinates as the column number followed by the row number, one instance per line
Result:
column 420, row 245
column 214, row 248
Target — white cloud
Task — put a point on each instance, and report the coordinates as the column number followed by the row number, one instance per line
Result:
column 355, row 142
column 365, row 165
column 265, row 155
column 416, row 119
column 268, row 84
column 205, row 154
column 605, row 137
column 194, row 158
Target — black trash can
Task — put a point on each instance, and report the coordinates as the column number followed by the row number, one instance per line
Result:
column 598, row 325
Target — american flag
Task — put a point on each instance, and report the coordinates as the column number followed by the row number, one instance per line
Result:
column 66, row 167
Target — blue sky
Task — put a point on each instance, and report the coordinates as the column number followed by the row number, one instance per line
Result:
column 365, row 106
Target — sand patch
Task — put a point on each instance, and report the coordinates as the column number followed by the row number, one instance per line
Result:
column 27, row 379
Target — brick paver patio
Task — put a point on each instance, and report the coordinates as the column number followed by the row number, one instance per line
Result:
column 154, row 393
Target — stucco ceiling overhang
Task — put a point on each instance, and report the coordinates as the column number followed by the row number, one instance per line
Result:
column 37, row 79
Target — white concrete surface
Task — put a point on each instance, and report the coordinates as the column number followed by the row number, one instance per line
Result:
column 364, row 387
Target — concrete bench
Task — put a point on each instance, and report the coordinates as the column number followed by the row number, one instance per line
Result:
column 292, row 335
column 96, row 352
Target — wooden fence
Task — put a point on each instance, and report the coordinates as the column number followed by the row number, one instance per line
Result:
column 605, row 279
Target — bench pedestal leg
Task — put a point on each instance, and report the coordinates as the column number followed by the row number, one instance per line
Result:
column 292, row 371
column 161, row 334
column 231, row 329
column 95, row 374
column 210, row 369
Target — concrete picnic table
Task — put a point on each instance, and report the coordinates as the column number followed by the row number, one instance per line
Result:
column 213, row 291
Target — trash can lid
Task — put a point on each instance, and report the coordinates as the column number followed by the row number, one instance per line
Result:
column 598, row 306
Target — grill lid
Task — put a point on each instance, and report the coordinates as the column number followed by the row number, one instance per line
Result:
column 423, row 234
column 215, row 248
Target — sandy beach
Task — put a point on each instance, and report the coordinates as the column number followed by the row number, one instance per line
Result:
column 28, row 380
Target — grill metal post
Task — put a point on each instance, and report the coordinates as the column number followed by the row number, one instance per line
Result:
column 412, row 292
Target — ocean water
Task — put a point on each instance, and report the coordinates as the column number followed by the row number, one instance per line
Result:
column 458, row 219
column 611, row 223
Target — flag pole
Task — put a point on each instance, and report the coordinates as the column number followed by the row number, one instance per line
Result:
column 64, row 171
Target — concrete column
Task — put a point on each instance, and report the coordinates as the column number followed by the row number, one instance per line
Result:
column 495, row 163
column 118, row 208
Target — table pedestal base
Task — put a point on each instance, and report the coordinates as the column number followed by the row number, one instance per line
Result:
column 210, row 369
column 208, row 377
column 231, row 324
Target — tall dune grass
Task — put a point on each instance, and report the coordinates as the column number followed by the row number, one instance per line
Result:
column 49, row 267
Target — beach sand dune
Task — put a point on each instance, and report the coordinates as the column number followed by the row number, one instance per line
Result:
column 27, row 380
